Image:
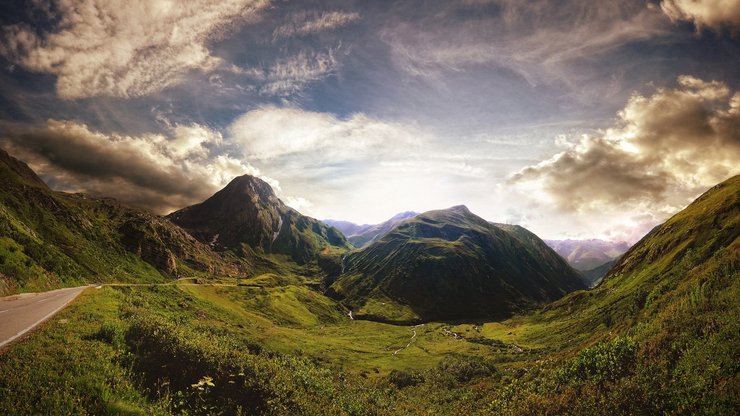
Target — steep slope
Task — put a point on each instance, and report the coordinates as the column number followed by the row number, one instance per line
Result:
column 588, row 254
column 662, row 328
column 247, row 212
column 451, row 264
column 364, row 235
column 49, row 239
column 698, row 244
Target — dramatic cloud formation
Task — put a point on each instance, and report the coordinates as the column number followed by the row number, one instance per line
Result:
column 154, row 171
column 714, row 14
column 666, row 149
column 307, row 22
column 365, row 109
column 123, row 48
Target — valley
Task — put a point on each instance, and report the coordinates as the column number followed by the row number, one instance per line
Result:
column 276, row 313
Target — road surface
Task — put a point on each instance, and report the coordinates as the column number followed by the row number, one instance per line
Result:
column 19, row 315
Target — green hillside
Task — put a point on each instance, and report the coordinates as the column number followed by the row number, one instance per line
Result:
column 661, row 329
column 50, row 239
column 452, row 264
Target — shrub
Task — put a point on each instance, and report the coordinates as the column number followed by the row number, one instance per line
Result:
column 403, row 379
column 606, row 361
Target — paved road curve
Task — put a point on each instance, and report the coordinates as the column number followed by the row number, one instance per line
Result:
column 19, row 315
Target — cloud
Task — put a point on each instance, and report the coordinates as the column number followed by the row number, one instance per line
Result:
column 289, row 76
column 273, row 132
column 159, row 172
column 357, row 167
column 714, row 14
column 539, row 40
column 121, row 48
column 665, row 149
column 308, row 22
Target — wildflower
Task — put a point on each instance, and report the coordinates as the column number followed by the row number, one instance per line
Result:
column 205, row 381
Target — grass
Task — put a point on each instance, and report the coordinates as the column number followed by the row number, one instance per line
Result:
column 73, row 364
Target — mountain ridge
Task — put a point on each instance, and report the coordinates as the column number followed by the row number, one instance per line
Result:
column 450, row 264
column 363, row 235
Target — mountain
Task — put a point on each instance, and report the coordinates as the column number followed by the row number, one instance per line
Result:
column 688, row 265
column 248, row 213
column 364, row 235
column 588, row 254
column 451, row 264
column 50, row 239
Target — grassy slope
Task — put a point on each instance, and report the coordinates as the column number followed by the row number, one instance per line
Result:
column 50, row 239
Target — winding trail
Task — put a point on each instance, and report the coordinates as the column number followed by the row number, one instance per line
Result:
column 410, row 341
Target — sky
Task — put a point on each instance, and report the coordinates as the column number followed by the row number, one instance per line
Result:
column 574, row 118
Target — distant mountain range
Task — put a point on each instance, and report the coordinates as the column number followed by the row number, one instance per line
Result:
column 451, row 264
column 592, row 258
column 364, row 235
column 586, row 255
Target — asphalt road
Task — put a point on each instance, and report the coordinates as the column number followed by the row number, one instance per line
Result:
column 19, row 315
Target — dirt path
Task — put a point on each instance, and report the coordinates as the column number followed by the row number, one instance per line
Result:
column 413, row 329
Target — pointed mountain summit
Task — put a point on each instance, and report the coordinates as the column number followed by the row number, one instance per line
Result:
column 452, row 264
column 247, row 211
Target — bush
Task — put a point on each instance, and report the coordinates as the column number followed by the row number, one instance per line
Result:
column 607, row 361
column 461, row 369
column 403, row 379
column 111, row 333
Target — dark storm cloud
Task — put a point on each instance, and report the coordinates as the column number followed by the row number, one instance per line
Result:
column 153, row 171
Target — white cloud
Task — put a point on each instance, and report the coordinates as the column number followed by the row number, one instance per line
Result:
column 272, row 132
column 714, row 14
column 160, row 172
column 436, row 165
column 297, row 203
column 665, row 149
column 291, row 75
column 307, row 22
column 123, row 48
